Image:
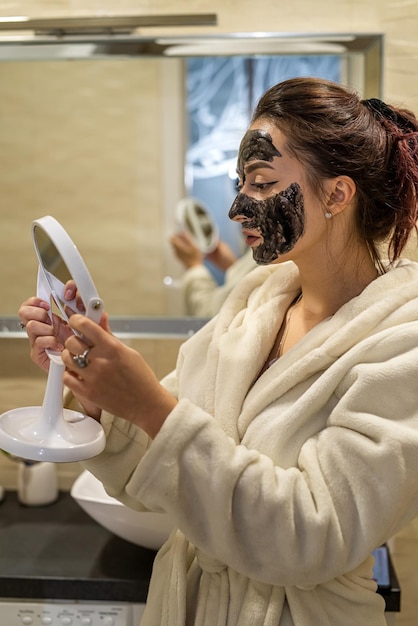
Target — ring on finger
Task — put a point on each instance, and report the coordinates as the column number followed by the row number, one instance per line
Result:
column 81, row 359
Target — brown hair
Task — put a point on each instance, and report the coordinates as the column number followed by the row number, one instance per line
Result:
column 332, row 132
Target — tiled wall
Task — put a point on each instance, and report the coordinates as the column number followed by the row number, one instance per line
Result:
column 82, row 141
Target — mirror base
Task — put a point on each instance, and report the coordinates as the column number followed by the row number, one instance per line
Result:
column 78, row 436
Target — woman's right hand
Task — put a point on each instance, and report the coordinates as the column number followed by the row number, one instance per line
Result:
column 223, row 256
column 43, row 334
column 186, row 250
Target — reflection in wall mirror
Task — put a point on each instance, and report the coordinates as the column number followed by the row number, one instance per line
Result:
column 108, row 134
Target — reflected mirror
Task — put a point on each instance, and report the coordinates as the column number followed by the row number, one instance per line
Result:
column 196, row 220
column 108, row 134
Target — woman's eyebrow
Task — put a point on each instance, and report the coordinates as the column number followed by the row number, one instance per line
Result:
column 255, row 165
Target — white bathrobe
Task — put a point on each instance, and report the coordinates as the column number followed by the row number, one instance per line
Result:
column 280, row 488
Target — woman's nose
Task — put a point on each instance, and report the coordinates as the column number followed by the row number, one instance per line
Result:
column 239, row 218
column 243, row 208
column 235, row 214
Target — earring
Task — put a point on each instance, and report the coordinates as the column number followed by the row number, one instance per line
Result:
column 328, row 215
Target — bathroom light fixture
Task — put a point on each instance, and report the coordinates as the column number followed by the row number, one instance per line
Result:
column 256, row 46
column 13, row 19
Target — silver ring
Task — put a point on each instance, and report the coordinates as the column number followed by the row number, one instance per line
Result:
column 81, row 359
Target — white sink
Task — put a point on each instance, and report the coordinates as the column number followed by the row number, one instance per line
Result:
column 149, row 530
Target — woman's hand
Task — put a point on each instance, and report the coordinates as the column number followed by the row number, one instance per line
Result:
column 223, row 256
column 42, row 332
column 71, row 293
column 189, row 254
column 116, row 378
column 186, row 250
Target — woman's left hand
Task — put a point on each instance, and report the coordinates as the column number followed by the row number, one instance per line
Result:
column 115, row 377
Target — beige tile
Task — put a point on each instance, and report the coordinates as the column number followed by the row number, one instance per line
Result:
column 82, row 141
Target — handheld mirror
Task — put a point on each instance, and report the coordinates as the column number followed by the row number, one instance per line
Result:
column 51, row 432
column 195, row 218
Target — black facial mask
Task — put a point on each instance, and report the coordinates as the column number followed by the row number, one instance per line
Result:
column 256, row 144
column 280, row 220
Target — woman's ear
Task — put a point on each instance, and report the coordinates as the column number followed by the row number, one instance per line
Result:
column 341, row 192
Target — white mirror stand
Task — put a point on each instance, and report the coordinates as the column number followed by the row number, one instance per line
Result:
column 50, row 432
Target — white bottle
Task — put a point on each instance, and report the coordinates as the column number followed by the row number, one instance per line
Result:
column 37, row 483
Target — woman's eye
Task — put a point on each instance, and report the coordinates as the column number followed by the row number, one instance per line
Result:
column 262, row 186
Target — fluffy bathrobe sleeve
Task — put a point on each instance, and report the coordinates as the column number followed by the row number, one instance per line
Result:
column 203, row 296
column 281, row 486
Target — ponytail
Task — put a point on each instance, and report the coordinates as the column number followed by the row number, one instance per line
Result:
column 401, row 185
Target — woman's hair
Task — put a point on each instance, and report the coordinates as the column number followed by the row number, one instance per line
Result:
column 332, row 132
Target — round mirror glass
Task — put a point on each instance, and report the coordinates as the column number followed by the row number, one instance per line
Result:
column 51, row 259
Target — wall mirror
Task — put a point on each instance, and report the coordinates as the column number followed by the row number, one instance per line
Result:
column 107, row 133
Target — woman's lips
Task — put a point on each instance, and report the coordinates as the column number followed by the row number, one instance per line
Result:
column 252, row 239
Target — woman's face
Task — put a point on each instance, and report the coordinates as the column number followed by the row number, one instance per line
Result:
column 274, row 200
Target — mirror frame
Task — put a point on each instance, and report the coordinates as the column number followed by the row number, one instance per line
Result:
column 72, row 259
column 363, row 51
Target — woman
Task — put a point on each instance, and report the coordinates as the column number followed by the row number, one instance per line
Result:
column 285, row 444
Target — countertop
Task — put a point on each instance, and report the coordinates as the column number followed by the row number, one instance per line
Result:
column 59, row 552
column 125, row 327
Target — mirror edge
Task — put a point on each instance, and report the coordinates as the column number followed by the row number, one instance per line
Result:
column 74, row 262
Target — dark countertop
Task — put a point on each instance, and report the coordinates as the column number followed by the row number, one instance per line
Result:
column 59, row 552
